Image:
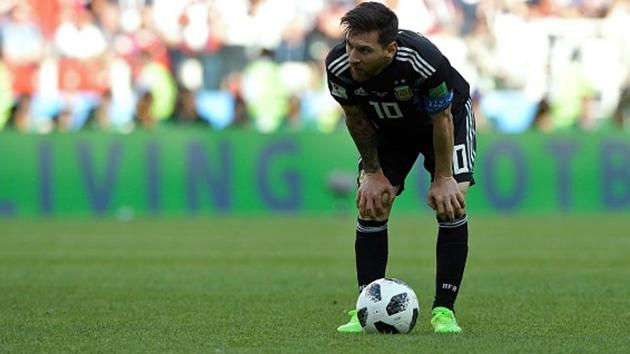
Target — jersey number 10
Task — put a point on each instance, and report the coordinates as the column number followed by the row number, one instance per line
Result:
column 389, row 110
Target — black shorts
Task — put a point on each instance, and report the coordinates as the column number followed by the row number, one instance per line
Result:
column 397, row 157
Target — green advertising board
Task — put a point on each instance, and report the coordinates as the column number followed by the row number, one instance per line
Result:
column 181, row 171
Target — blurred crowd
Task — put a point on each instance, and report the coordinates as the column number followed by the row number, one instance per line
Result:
column 120, row 65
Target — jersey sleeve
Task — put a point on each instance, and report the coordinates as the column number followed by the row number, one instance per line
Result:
column 340, row 88
column 437, row 95
column 431, row 69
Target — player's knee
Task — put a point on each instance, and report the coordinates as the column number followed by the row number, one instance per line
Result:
column 381, row 217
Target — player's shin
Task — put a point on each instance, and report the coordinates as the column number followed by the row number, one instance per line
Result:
column 451, row 254
column 371, row 251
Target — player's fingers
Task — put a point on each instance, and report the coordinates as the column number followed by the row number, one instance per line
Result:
column 378, row 205
column 457, row 208
column 455, row 203
column 364, row 205
column 362, row 208
column 431, row 203
column 390, row 193
column 441, row 210
column 391, row 198
column 363, row 201
column 387, row 200
column 461, row 198
column 448, row 210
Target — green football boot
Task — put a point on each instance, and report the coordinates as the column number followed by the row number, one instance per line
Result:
column 443, row 321
column 354, row 326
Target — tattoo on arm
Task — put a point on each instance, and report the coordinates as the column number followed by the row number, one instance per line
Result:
column 364, row 136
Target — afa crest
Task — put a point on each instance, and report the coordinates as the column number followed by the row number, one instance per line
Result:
column 403, row 93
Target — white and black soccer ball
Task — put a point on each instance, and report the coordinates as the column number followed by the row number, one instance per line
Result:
column 387, row 305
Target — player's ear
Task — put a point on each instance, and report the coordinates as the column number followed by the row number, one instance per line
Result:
column 391, row 49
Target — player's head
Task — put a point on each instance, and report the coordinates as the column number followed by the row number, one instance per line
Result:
column 371, row 30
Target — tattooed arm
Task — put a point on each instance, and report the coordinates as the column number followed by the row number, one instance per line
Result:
column 364, row 136
column 375, row 193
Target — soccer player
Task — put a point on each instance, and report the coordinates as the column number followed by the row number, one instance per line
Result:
column 401, row 97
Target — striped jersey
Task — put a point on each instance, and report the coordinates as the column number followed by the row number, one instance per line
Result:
column 418, row 82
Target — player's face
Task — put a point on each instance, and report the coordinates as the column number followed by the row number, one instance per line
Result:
column 367, row 56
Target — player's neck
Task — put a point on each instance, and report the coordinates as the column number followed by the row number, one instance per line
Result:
column 385, row 65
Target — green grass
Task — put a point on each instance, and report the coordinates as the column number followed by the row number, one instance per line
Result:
column 282, row 284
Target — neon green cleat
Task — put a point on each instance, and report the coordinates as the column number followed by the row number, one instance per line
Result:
column 354, row 326
column 443, row 321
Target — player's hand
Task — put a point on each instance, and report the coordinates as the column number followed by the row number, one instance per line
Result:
column 446, row 198
column 375, row 194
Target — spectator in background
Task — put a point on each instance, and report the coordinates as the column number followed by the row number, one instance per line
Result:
column 569, row 102
column 265, row 26
column 481, row 44
column 266, row 97
column 292, row 46
column 233, row 18
column 81, row 65
column 293, row 121
column 62, row 48
column 62, row 121
column 194, row 47
column 141, row 37
column 241, row 119
column 415, row 15
column 20, row 115
column 621, row 117
column 143, row 116
column 22, row 48
column 186, row 110
column 155, row 77
column 203, row 41
column 543, row 122
column 107, row 18
column 78, row 37
column 6, row 94
column 234, row 85
column 99, row 116
column 326, row 32
column 617, row 29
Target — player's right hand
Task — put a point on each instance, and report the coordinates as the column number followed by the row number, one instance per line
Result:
column 375, row 195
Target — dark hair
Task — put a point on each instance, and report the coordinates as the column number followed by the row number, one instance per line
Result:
column 372, row 16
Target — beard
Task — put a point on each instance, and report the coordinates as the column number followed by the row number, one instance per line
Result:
column 359, row 75
column 365, row 72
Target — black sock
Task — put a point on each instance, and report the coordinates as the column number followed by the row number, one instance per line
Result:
column 451, row 252
column 370, row 249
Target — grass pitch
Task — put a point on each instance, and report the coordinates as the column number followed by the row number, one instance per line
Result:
column 283, row 284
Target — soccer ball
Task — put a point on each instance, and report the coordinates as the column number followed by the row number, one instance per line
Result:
column 387, row 305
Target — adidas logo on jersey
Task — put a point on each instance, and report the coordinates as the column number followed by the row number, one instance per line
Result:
column 360, row 92
column 379, row 94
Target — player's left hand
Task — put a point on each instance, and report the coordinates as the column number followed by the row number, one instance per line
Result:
column 446, row 198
